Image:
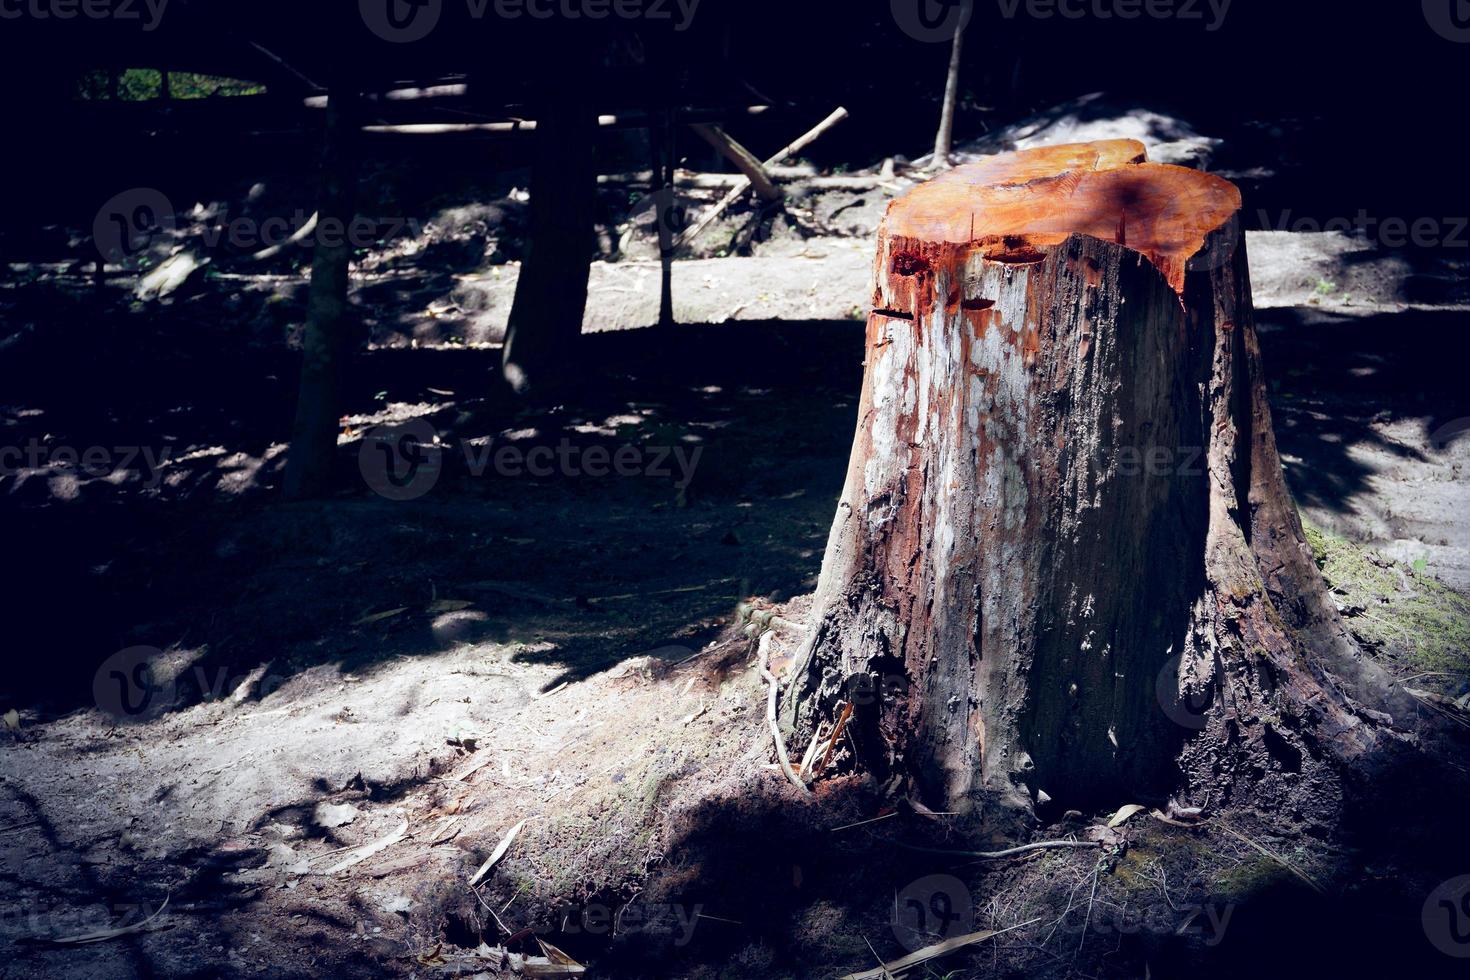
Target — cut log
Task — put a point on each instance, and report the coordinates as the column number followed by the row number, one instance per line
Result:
column 1064, row 506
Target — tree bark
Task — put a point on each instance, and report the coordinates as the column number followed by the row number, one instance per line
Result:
column 327, row 342
column 551, row 295
column 1065, row 546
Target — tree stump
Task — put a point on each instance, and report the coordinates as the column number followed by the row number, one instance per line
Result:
column 1065, row 545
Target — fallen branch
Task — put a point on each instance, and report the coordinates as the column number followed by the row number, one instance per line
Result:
column 300, row 233
column 724, row 203
column 1273, row 856
column 703, row 180
column 742, row 159
column 1045, row 845
column 764, row 619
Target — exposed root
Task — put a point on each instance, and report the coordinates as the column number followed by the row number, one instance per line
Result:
column 773, row 686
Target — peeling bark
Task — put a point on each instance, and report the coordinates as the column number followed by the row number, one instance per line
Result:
column 1064, row 514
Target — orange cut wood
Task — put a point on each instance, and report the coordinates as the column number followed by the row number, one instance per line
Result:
column 1016, row 205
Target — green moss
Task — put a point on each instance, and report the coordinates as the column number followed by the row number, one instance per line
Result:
column 1250, row 877
column 1398, row 612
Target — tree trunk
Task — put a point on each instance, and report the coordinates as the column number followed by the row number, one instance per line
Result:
column 944, row 137
column 661, row 146
column 326, row 343
column 551, row 293
column 1064, row 507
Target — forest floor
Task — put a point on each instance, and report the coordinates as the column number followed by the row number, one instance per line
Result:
column 352, row 703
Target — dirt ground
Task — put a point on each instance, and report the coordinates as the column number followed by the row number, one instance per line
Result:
column 351, row 703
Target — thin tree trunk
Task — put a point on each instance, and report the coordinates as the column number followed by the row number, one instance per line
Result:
column 661, row 143
column 945, row 136
column 326, row 344
column 541, row 340
column 1064, row 507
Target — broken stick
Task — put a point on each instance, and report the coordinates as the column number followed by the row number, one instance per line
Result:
column 741, row 158
column 795, row 146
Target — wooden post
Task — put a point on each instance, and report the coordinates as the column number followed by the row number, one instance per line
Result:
column 326, row 344
column 1064, row 498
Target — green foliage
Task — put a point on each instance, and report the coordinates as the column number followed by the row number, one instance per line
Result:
column 142, row 84
column 1413, row 618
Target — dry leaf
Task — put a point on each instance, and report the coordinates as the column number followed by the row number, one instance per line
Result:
column 1125, row 814
column 498, row 853
column 922, row 956
column 554, row 963
column 368, row 850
